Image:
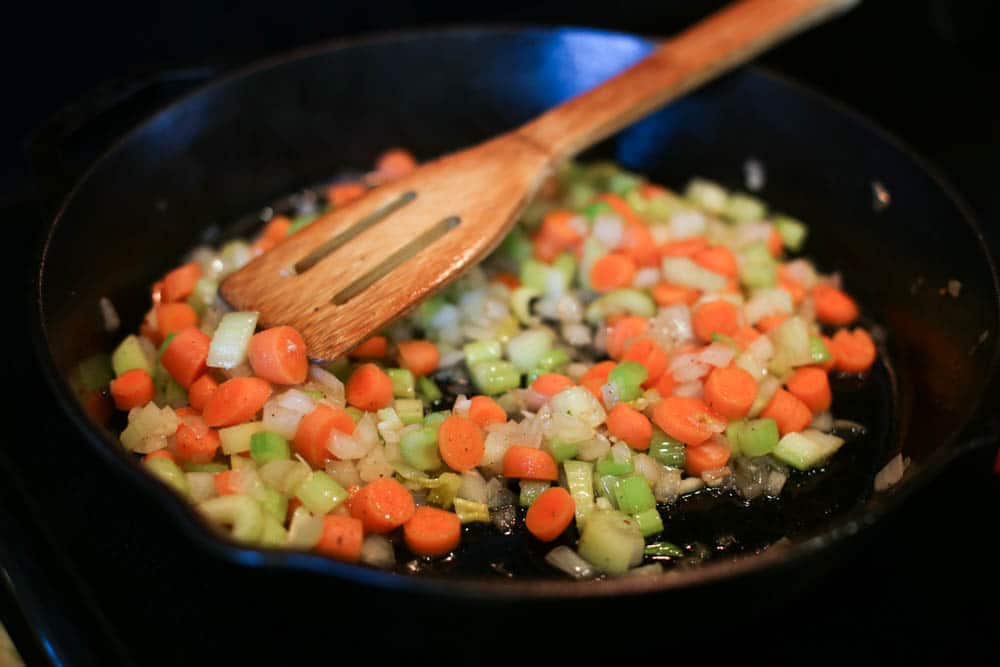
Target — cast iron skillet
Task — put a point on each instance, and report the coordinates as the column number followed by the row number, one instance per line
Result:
column 240, row 143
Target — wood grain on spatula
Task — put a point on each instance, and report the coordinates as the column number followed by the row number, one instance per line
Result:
column 360, row 266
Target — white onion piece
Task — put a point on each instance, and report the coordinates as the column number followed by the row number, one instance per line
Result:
column 688, row 367
column 686, row 223
column 717, row 354
column 593, row 449
column 672, row 326
column 451, row 358
column 761, row 348
column 566, row 560
column 690, row 390
column 109, row 315
column 375, row 465
column 767, row 302
column 304, row 530
column 297, row 401
column 345, row 446
column 576, row 334
column 823, row 422
column 473, row 487
column 690, row 485
column 621, row 453
column 608, row 231
column 344, row 473
column 667, row 486
column 495, row 447
column 462, row 405
column 765, row 390
column 324, row 377
column 647, row 466
column 683, row 271
column 377, row 551
column 752, row 232
column 802, row 272
column 365, row 431
column 646, row 277
column 891, row 473
column 650, row 570
column 281, row 420
column 202, row 485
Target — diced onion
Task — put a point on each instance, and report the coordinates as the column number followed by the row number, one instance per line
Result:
column 377, row 551
column 305, row 530
column 688, row 367
column 608, row 231
column 345, row 446
column 717, row 354
column 296, row 401
column 344, row 473
column 767, row 302
column 686, row 223
column 690, row 390
column 683, row 271
column 566, row 560
column 473, row 487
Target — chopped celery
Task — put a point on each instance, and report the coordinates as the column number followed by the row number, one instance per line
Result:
column 129, row 355
column 663, row 550
column 636, row 201
column 580, row 481
column 517, row 246
column 755, row 437
column 240, row 512
column 594, row 209
column 744, row 208
column 793, row 233
column 609, row 466
column 355, row 414
column 633, row 494
column 151, row 421
column 483, row 350
column 428, row 389
column 792, row 347
column 236, row 439
column 806, row 450
column 531, row 489
column 527, row 349
column 273, row 534
column 495, row 377
column 565, row 266
column 469, row 511
column 228, row 348
column 627, row 378
column 756, row 253
column 579, row 194
column 341, row 368
column 302, row 221
column 169, row 472
column 434, row 419
column 319, row 492
column 706, row 194
column 611, row 542
column 167, row 389
column 606, row 488
column 234, row 255
column 95, row 372
column 205, row 467
column 443, row 494
column 562, row 450
column 666, row 450
column 724, row 339
column 266, row 446
column 662, row 205
column 631, row 301
column 427, row 310
column 593, row 250
column 506, row 329
column 419, row 448
column 553, row 360
column 520, row 303
column 402, row 382
column 650, row 522
column 271, row 501
column 756, row 275
column 622, row 182
column 240, row 462
column 818, row 352
column 534, row 274
column 409, row 410
column 203, row 295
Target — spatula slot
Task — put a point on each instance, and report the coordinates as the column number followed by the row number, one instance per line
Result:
column 394, row 260
column 349, row 234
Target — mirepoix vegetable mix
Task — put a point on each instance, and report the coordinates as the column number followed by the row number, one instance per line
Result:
column 626, row 345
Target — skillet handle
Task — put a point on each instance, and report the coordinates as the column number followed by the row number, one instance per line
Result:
column 63, row 147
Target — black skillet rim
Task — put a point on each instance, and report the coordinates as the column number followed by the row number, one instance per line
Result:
column 203, row 536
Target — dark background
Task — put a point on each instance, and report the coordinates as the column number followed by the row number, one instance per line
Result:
column 924, row 69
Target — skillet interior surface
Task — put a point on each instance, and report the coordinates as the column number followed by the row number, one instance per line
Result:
column 235, row 146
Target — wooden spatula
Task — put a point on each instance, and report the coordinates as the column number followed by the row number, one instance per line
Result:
column 361, row 266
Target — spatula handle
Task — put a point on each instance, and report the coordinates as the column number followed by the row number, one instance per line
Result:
column 724, row 40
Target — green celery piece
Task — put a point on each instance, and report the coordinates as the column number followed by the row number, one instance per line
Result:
column 273, row 534
column 707, row 194
column 520, row 303
column 565, row 264
column 95, row 372
column 723, row 338
column 818, row 351
column 403, row 382
column 129, row 355
column 804, row 453
column 650, row 522
column 267, row 446
column 580, row 482
column 530, row 489
column 627, row 377
column 755, row 437
column 533, row 273
column 622, row 182
column 664, row 550
column 355, row 414
column 793, row 233
column 626, row 300
column 517, row 245
column 272, row 501
column 428, row 389
column 594, row 209
column 667, row 450
column 562, row 450
column 633, row 494
column 606, row 488
column 553, row 359
column 579, row 194
column 203, row 295
column 240, row 511
column 434, row 419
column 168, row 472
column 495, row 377
column 302, row 221
column 409, row 410
column 320, row 493
column 443, row 495
column 483, row 350
column 205, row 467
column 608, row 466
column 527, row 349
column 757, row 275
column 341, row 368
column 611, row 542
column 744, row 208
column 469, row 511
column 419, row 448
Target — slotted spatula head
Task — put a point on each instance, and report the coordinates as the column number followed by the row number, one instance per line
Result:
column 358, row 267
column 361, row 266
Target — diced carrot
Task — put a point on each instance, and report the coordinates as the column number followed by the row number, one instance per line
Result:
column 508, row 279
column 613, row 319
column 652, row 190
column 647, row 352
column 261, row 245
column 172, row 318
column 420, row 357
column 550, row 514
column 600, row 370
column 236, row 401
column 771, row 322
column 794, row 289
column 853, row 351
column 187, row 411
column 227, row 482
column 432, row 531
column 341, row 194
column 544, row 248
column 179, row 283
column 666, row 294
column 621, row 207
column 395, row 163
column 623, row 332
column 196, row 443
column 833, row 306
column 811, row 386
column 314, row 432
column 790, row 413
column 132, row 389
column 744, row 336
column 375, row 347
column 774, row 243
column 612, row 271
column 279, row 355
column 558, row 231
column 460, row 443
column 201, row 391
column 341, row 538
column 683, row 247
column 159, row 454
column 276, row 229
column 687, row 419
column 593, row 385
column 639, row 244
column 551, row 384
column 710, row 455
column 718, row 259
column 484, row 411
column 382, row 505
column 628, row 424
column 521, row 462
column 186, row 356
column 715, row 317
column 369, row 388
column 730, row 391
